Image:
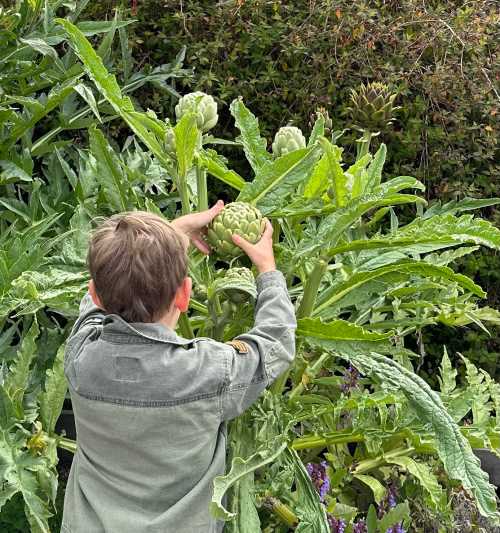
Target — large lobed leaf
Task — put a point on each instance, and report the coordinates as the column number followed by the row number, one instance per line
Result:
column 253, row 144
column 277, row 179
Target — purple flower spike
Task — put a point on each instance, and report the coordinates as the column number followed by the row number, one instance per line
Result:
column 337, row 525
column 359, row 527
column 319, row 478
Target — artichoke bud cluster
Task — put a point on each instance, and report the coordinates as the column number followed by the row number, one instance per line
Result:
column 288, row 139
column 237, row 218
column 372, row 107
column 203, row 105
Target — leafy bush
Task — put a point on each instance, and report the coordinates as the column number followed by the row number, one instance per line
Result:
column 286, row 59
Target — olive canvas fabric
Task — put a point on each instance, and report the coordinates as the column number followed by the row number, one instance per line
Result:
column 150, row 410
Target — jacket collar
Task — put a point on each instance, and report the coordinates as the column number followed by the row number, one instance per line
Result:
column 115, row 327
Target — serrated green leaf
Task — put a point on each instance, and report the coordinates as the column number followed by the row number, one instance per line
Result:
column 333, row 226
column 374, row 484
column 394, row 516
column 253, row 144
column 239, row 468
column 453, row 449
column 216, row 166
column 186, row 136
column 277, row 179
column 109, row 171
column 18, row 377
column 425, row 476
column 374, row 170
column 51, row 400
column 337, row 177
column 339, row 290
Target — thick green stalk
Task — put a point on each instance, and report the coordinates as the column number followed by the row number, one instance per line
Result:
column 185, row 327
column 282, row 511
column 369, row 464
column 311, row 288
column 201, row 181
column 305, row 309
column 311, row 371
column 334, row 437
column 364, row 144
column 183, row 188
column 67, row 444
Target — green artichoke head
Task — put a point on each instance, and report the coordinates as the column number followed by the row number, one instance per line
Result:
column 288, row 139
column 237, row 218
column 203, row 105
column 239, row 284
column 372, row 106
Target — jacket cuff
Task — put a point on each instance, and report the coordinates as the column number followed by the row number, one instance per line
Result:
column 273, row 278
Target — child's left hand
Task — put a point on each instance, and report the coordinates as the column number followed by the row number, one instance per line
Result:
column 194, row 224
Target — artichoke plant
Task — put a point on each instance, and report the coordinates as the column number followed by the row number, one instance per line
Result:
column 288, row 139
column 236, row 218
column 372, row 106
column 203, row 105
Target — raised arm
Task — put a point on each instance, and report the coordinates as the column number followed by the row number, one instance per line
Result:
column 268, row 349
column 259, row 356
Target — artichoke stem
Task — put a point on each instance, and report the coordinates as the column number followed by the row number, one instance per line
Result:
column 185, row 327
column 67, row 444
column 370, row 464
column 311, row 289
column 311, row 372
column 282, row 511
column 183, row 188
column 201, row 181
column 364, row 144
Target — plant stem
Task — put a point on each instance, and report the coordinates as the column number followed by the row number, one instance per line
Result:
column 67, row 444
column 311, row 289
column 310, row 371
column 201, row 181
column 369, row 464
column 364, row 144
column 282, row 511
column 305, row 443
column 185, row 327
column 182, row 186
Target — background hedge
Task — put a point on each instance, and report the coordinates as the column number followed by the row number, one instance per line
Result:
column 288, row 58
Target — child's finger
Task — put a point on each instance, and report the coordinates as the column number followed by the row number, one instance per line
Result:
column 268, row 231
column 241, row 242
column 200, row 244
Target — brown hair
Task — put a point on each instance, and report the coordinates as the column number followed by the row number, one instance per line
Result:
column 137, row 261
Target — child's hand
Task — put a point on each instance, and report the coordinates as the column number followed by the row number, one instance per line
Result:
column 261, row 254
column 194, row 224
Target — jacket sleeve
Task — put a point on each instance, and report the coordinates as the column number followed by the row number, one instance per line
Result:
column 267, row 350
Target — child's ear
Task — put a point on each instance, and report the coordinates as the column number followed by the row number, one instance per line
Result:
column 183, row 295
column 93, row 294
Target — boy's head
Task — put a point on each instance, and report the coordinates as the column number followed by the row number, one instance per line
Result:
column 138, row 265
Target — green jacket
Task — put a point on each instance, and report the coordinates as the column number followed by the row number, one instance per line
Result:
column 150, row 410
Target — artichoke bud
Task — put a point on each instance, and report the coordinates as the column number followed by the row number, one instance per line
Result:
column 322, row 112
column 236, row 218
column 170, row 144
column 288, row 139
column 372, row 107
column 235, row 280
column 203, row 105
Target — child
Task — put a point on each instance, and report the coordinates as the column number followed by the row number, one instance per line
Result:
column 150, row 407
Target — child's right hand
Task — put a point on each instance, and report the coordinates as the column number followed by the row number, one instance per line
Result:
column 261, row 254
